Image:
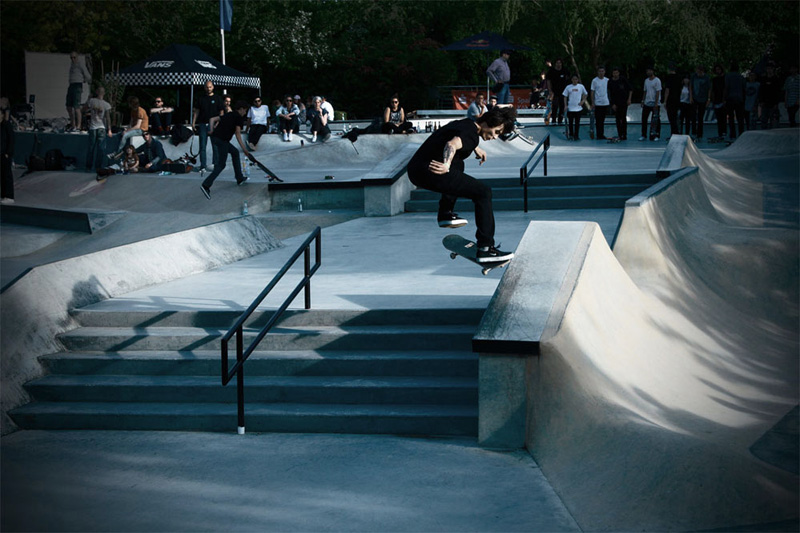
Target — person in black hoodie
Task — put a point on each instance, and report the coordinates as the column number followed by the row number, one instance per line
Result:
column 7, row 153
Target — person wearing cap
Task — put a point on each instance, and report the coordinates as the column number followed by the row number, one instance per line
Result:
column 257, row 122
column 500, row 73
column 151, row 154
column 222, row 131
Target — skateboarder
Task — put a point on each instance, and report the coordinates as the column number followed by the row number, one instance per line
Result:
column 438, row 166
column 223, row 130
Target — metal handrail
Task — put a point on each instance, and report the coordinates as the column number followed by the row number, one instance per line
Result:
column 238, row 327
column 524, row 171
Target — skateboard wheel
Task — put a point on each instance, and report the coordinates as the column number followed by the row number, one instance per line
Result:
column 485, row 271
column 453, row 255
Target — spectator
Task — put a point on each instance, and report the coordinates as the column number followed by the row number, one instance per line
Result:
column 207, row 106
column 558, row 77
column 226, row 102
column 318, row 116
column 686, row 108
column 701, row 91
column 650, row 101
column 718, row 100
column 752, row 105
column 138, row 125
column 792, row 96
column 500, row 73
column 327, row 105
column 7, row 153
column 302, row 117
column 151, row 154
column 492, row 102
column 477, row 108
column 600, row 102
column 222, row 131
column 99, row 128
column 672, row 98
column 574, row 98
column 160, row 117
column 130, row 160
column 273, row 109
column 770, row 91
column 257, row 122
column 734, row 99
column 394, row 118
column 78, row 75
column 544, row 97
column 620, row 94
column 288, row 120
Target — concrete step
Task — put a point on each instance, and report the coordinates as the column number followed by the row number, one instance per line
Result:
column 263, row 363
column 572, row 191
column 113, row 339
column 604, row 202
column 431, row 420
column 259, row 389
column 568, row 181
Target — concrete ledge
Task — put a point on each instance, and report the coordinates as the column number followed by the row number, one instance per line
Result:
column 672, row 160
column 36, row 307
column 61, row 219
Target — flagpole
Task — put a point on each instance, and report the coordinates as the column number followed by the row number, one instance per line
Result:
column 222, row 35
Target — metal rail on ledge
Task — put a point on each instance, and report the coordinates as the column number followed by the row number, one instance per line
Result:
column 527, row 168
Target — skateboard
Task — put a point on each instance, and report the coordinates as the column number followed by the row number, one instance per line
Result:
column 271, row 176
column 655, row 125
column 591, row 124
column 715, row 140
column 458, row 245
column 611, row 140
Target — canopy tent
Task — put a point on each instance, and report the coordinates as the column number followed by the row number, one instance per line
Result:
column 183, row 64
column 485, row 40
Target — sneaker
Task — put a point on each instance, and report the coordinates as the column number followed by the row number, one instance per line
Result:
column 451, row 220
column 206, row 191
column 491, row 254
column 242, row 182
column 112, row 155
column 101, row 178
column 7, row 201
column 314, row 138
column 642, row 139
column 655, row 139
column 290, row 137
column 285, row 137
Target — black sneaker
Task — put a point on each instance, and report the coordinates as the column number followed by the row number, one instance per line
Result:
column 492, row 255
column 242, row 181
column 451, row 220
column 206, row 191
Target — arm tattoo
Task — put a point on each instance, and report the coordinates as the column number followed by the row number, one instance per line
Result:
column 449, row 153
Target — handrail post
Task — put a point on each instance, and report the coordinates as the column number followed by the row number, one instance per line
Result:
column 240, row 379
column 306, row 270
column 546, row 149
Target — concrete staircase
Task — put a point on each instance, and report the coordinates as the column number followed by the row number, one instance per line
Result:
column 558, row 192
column 408, row 372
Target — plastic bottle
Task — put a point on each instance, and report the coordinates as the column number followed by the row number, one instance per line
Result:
column 244, row 208
column 300, row 205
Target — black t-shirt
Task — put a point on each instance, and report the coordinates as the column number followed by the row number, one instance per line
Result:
column 770, row 90
column 559, row 79
column 433, row 148
column 618, row 91
column 674, row 83
column 227, row 125
column 209, row 106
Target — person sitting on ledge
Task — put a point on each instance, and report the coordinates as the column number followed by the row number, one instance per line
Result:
column 394, row 118
column 318, row 116
column 160, row 117
column 151, row 154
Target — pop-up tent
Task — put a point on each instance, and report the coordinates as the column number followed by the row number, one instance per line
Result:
column 183, row 64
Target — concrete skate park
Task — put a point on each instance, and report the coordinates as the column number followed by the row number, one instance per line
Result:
column 635, row 367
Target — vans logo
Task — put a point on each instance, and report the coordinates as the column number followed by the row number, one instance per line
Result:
column 158, row 64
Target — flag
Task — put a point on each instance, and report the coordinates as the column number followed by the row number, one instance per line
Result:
column 225, row 14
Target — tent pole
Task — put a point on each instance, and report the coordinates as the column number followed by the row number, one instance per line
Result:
column 191, row 101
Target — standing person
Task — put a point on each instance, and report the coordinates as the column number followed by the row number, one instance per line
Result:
column 600, row 101
column 160, row 117
column 477, row 108
column 78, row 75
column 139, row 124
column 672, row 98
column 650, row 101
column 222, row 131
column 574, row 97
column 288, row 120
column 438, row 166
column 257, row 122
column 792, row 96
column 752, row 105
column 686, row 108
column 544, row 94
column 318, row 116
column 558, row 78
column 770, row 98
column 99, row 128
column 500, row 73
column 206, row 107
column 620, row 93
column 6, row 153
column 701, row 91
column 394, row 118
column 734, row 99
column 718, row 101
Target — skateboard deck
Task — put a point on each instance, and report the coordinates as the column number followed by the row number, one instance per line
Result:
column 612, row 140
column 271, row 176
column 655, row 125
column 467, row 249
column 591, row 124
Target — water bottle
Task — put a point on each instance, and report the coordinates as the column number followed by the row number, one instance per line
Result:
column 245, row 168
column 244, row 208
column 300, row 205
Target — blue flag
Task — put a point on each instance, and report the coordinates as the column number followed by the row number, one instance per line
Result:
column 225, row 14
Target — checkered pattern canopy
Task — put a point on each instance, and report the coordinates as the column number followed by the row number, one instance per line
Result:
column 182, row 64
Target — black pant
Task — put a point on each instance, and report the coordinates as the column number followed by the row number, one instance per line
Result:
column 160, row 123
column 255, row 133
column 735, row 111
column 454, row 185
column 557, row 109
column 686, row 118
column 672, row 116
column 390, row 127
column 600, row 112
column 223, row 148
column 574, row 124
column 646, row 111
column 722, row 119
column 6, row 178
column 621, row 118
column 792, row 110
column 318, row 128
column 293, row 124
column 699, row 113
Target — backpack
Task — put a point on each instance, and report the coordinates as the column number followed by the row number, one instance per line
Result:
column 180, row 134
column 54, row 160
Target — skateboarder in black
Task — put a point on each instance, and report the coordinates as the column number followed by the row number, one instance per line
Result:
column 223, row 130
column 438, row 166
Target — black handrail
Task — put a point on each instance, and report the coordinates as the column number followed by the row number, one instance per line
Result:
column 238, row 327
column 524, row 171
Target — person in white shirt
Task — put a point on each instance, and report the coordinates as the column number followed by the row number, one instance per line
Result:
column 328, row 107
column 78, row 75
column 257, row 122
column 574, row 97
column 600, row 102
column 650, row 101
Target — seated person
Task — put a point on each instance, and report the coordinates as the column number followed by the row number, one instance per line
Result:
column 302, row 116
column 478, row 107
column 139, row 124
column 288, row 118
column 318, row 117
column 257, row 122
column 160, row 117
column 128, row 165
column 394, row 118
column 151, row 154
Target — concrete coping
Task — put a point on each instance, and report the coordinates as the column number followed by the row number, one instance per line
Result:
column 653, row 191
column 672, row 159
column 530, row 301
